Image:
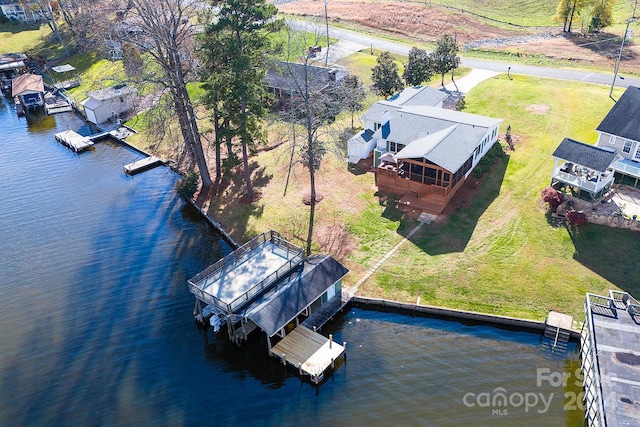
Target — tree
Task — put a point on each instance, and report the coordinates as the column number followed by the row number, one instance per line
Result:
column 386, row 80
column 131, row 60
column 552, row 197
column 168, row 38
column 444, row 57
column 241, row 53
column 418, row 69
column 576, row 218
column 602, row 15
column 353, row 95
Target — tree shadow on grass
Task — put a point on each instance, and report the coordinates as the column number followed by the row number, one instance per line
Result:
column 609, row 252
column 604, row 44
column 229, row 205
column 453, row 229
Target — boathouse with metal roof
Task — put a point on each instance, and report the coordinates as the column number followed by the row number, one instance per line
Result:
column 268, row 285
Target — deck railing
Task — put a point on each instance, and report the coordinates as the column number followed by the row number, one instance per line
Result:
column 584, row 184
column 592, row 377
column 294, row 255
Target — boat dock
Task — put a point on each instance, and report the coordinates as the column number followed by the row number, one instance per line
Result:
column 73, row 140
column 142, row 165
column 309, row 352
column 268, row 285
column 610, row 353
column 54, row 104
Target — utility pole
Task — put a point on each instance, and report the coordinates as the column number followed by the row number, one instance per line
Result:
column 326, row 20
column 624, row 40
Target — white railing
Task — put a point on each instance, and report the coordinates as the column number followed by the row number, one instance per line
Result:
column 584, row 184
column 595, row 386
column 628, row 169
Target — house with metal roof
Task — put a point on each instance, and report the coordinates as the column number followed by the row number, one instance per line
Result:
column 268, row 285
column 620, row 130
column 584, row 167
column 424, row 153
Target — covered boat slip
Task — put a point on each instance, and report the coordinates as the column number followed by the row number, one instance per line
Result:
column 245, row 273
column 309, row 352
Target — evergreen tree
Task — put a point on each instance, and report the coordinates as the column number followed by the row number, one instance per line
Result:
column 418, row 69
column 386, row 80
column 445, row 57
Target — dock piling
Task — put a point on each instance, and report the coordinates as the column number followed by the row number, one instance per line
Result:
column 330, row 340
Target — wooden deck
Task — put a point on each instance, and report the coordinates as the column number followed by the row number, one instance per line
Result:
column 73, row 140
column 309, row 352
column 141, row 165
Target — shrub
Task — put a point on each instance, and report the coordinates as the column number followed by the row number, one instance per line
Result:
column 552, row 197
column 188, row 185
column 576, row 218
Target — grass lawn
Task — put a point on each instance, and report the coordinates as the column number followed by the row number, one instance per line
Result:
column 19, row 38
column 499, row 254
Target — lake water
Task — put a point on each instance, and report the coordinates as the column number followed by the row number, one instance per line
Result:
column 96, row 324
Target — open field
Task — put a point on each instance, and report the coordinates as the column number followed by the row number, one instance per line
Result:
column 540, row 42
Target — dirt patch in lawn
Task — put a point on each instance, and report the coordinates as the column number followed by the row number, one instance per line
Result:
column 538, row 109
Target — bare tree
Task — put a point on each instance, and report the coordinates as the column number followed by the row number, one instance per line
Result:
column 318, row 96
column 168, row 38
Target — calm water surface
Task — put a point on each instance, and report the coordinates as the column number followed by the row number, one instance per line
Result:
column 96, row 325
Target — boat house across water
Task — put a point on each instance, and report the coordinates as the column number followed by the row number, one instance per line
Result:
column 268, row 284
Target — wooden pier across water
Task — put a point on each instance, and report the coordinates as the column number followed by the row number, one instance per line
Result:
column 73, row 140
column 309, row 352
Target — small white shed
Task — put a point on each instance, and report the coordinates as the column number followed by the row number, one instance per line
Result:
column 107, row 104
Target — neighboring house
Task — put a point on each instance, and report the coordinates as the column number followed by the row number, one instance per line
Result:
column 423, row 152
column 23, row 12
column 584, row 167
column 28, row 90
column 108, row 104
column 286, row 79
column 620, row 130
column 361, row 145
column 11, row 65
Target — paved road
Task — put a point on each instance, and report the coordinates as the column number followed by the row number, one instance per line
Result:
column 359, row 39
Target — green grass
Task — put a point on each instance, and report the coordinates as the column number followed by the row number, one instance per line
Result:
column 499, row 253
column 18, row 38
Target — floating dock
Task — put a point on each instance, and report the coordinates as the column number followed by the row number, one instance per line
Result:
column 309, row 352
column 142, row 165
column 611, row 359
column 73, row 140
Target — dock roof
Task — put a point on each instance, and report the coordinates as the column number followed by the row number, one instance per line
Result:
column 27, row 83
column 294, row 293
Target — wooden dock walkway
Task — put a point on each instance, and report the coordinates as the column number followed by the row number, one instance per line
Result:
column 309, row 352
column 73, row 140
column 141, row 165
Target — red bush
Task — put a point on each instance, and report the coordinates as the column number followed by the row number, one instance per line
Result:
column 552, row 197
column 576, row 218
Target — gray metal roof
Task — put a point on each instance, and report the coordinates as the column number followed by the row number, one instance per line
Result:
column 624, row 117
column 596, row 158
column 418, row 95
column 410, row 124
column 290, row 76
column 294, row 293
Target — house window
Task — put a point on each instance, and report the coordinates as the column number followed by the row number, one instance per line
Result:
column 637, row 155
column 612, row 139
column 395, row 147
column 376, row 126
column 627, row 146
